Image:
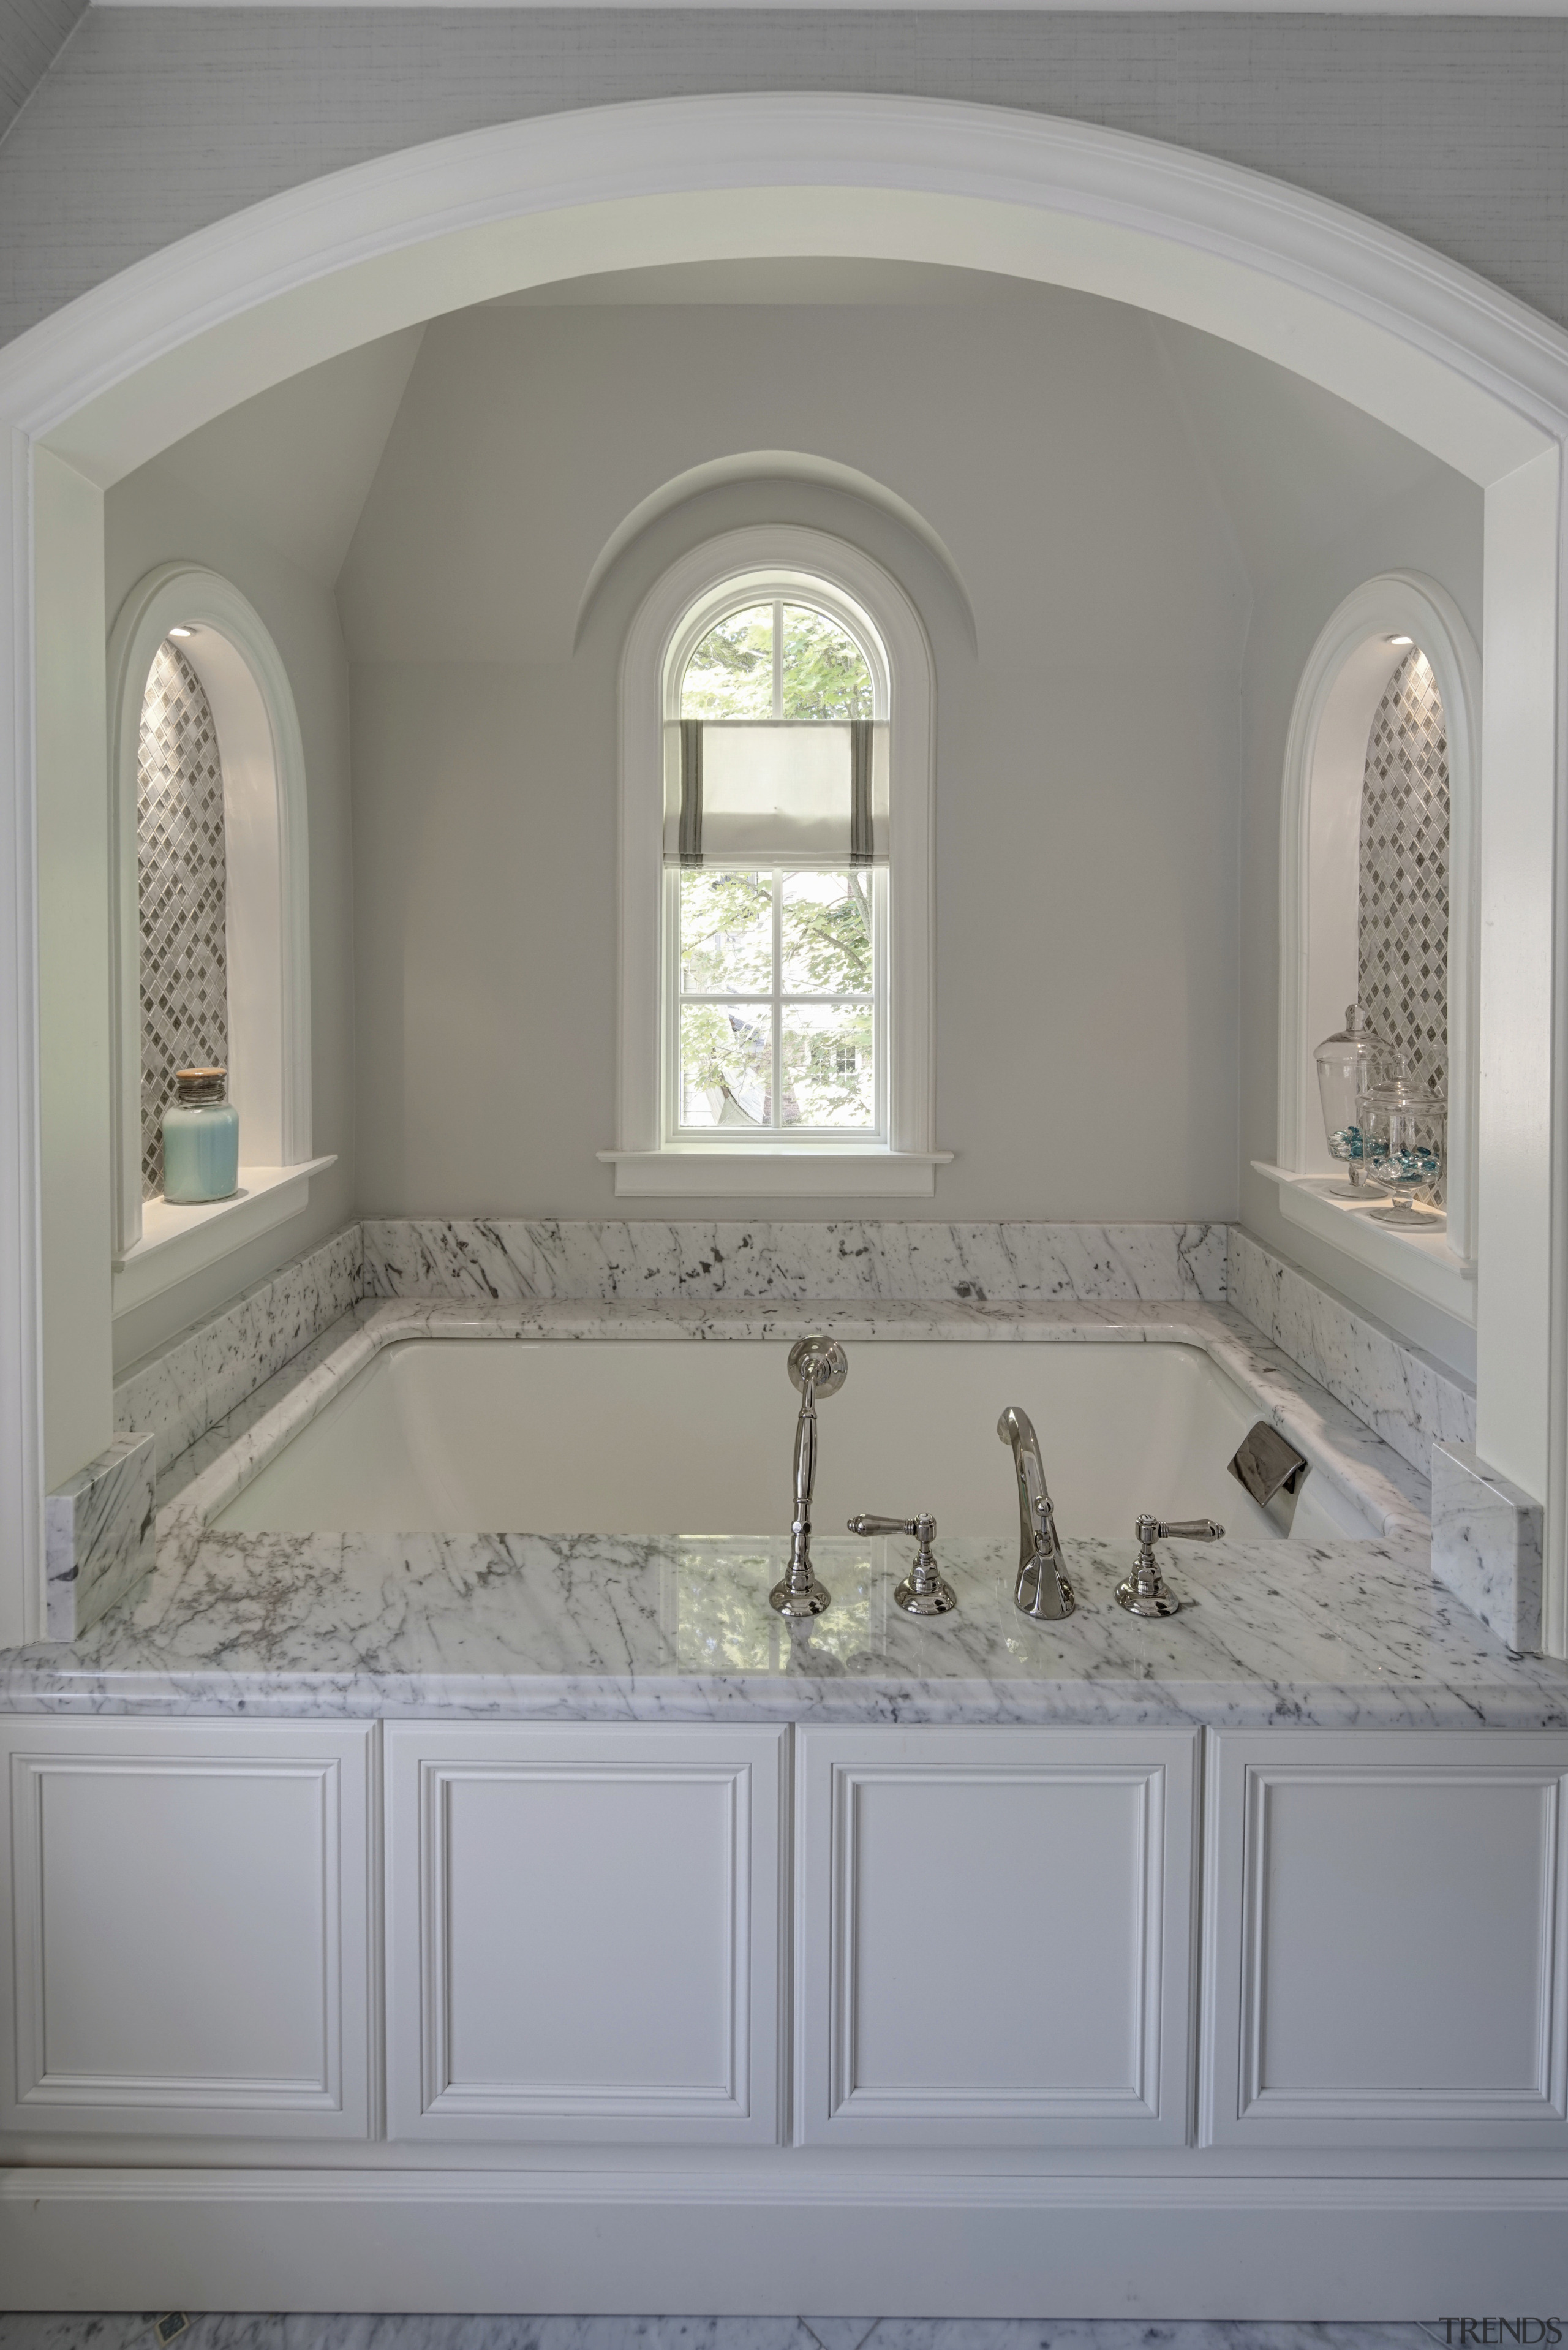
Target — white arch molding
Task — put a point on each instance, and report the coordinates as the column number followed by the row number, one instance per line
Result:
column 267, row 818
column 1450, row 361
column 1320, row 815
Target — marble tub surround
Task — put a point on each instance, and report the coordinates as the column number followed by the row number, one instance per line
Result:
column 1487, row 1543
column 198, row 1378
column 1389, row 1493
column 606, row 1629
column 98, row 1536
column 437, row 1257
column 1411, row 1399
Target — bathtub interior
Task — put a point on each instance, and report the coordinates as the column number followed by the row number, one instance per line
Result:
column 648, row 1437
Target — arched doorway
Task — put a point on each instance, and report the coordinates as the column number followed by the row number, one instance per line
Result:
column 1414, row 340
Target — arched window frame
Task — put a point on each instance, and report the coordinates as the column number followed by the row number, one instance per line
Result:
column 1342, row 684
column 268, row 921
column 672, row 618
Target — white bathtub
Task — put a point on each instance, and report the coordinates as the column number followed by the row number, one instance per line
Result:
column 619, row 1436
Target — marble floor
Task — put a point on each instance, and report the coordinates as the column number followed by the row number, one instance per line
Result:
column 175, row 2331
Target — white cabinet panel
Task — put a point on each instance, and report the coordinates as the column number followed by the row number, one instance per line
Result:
column 994, row 1935
column 1384, row 1946
column 584, row 1928
column 189, row 1946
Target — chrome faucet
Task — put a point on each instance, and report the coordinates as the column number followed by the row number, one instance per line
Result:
column 1042, row 1589
column 818, row 1366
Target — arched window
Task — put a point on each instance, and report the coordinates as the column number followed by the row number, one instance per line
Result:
column 775, row 884
column 1377, row 881
column 212, row 914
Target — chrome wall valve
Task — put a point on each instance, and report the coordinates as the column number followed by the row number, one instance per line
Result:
column 1144, row 1592
column 922, row 1592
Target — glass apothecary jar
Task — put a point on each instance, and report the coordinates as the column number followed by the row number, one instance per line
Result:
column 1404, row 1142
column 1351, row 1062
column 200, row 1139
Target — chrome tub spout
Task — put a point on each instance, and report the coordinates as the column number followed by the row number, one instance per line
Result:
column 1042, row 1590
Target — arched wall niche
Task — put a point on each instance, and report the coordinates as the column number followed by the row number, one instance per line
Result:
column 1414, row 339
column 265, row 813
column 1325, row 760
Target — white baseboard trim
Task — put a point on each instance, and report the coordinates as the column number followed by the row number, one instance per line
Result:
column 712, row 2244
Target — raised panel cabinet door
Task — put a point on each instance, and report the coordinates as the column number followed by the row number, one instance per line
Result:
column 1385, row 1939
column 994, row 1935
column 584, row 1928
column 189, row 1945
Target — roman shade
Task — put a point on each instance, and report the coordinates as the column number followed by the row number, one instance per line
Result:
column 776, row 791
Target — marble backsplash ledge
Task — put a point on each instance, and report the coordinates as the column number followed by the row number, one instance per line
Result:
column 98, row 1536
column 194, row 1381
column 514, row 1260
column 1487, row 1544
column 1411, row 1401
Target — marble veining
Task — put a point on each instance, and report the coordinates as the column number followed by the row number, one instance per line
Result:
column 98, row 1536
column 1411, row 1401
column 181, row 1390
column 600, row 1627
column 1487, row 1543
column 243, row 2331
column 513, row 1261
column 590, row 1627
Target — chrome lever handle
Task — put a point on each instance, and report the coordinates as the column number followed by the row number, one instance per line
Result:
column 1144, row 1592
column 922, row 1591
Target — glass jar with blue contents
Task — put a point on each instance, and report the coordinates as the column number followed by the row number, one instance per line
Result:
column 1405, row 1137
column 200, row 1139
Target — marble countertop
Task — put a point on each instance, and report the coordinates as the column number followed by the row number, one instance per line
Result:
column 534, row 1627
column 585, row 1627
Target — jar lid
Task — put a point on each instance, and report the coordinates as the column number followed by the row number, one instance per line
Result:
column 201, row 1085
column 1357, row 1030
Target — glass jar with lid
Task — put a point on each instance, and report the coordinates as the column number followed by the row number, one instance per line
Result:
column 1404, row 1142
column 200, row 1139
column 1350, row 1062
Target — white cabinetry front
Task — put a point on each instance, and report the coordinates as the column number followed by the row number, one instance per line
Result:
column 1384, row 1940
column 995, row 1937
column 189, row 1948
column 584, row 1925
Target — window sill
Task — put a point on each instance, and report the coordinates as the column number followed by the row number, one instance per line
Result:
column 695, row 1172
column 176, row 1242
column 1422, row 1263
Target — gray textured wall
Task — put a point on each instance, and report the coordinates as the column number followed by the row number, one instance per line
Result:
column 154, row 123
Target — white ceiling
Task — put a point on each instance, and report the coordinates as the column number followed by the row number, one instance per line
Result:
column 294, row 465
column 1288, row 467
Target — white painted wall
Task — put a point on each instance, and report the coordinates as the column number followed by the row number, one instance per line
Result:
column 1434, row 527
column 1087, row 760
column 1110, row 493
column 73, row 975
column 154, row 517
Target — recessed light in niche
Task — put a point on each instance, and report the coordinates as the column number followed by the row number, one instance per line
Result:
column 1388, row 641
column 182, row 633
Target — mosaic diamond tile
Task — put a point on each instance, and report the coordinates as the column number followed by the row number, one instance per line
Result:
column 184, row 894
column 1403, row 911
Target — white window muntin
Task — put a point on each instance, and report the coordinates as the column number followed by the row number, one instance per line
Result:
column 745, row 592
column 688, row 597
column 740, row 592
column 793, row 1138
